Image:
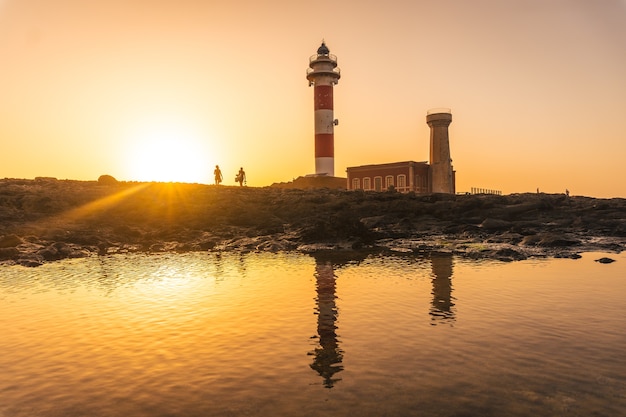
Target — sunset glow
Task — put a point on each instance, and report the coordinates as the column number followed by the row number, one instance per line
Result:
column 164, row 91
column 168, row 154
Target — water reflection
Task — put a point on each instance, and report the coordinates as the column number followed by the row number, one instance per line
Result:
column 219, row 267
column 327, row 356
column 186, row 334
column 442, row 306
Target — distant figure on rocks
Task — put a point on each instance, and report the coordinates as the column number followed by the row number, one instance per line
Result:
column 218, row 175
column 566, row 192
column 241, row 176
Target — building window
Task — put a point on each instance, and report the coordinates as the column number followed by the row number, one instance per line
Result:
column 367, row 184
column 356, row 183
column 401, row 182
column 388, row 181
column 378, row 183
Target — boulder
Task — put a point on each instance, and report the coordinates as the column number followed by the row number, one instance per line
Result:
column 554, row 239
column 495, row 224
column 10, row 241
column 107, row 180
column 549, row 240
column 508, row 254
column 8, row 253
column 605, row 260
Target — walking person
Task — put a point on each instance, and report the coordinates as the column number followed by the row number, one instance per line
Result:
column 241, row 176
column 218, row 175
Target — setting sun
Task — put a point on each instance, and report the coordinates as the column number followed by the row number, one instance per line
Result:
column 168, row 154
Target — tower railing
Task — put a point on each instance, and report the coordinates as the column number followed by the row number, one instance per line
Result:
column 325, row 57
column 439, row 110
column 335, row 70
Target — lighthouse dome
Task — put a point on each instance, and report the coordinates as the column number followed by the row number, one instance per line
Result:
column 323, row 49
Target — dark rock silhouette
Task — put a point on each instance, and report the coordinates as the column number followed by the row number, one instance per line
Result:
column 106, row 180
column 605, row 260
column 44, row 221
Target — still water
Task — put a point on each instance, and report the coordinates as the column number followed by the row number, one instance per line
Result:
column 292, row 335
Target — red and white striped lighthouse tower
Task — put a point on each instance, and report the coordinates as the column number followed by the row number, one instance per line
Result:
column 323, row 74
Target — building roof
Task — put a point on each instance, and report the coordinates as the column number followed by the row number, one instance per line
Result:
column 387, row 165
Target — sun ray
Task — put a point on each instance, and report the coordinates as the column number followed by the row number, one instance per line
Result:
column 68, row 220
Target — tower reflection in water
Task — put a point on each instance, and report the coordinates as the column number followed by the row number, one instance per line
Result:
column 327, row 355
column 442, row 306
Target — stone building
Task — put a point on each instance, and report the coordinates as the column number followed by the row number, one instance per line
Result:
column 438, row 176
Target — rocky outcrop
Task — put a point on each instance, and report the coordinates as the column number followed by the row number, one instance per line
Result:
column 42, row 221
column 107, row 180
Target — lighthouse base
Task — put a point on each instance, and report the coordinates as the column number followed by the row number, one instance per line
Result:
column 325, row 166
column 313, row 181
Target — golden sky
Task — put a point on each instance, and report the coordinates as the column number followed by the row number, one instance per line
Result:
column 165, row 89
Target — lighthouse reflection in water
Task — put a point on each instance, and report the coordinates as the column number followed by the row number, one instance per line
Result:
column 328, row 355
column 204, row 334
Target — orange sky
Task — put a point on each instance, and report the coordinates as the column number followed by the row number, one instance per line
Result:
column 166, row 89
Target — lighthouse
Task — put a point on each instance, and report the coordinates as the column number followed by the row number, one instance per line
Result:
column 323, row 74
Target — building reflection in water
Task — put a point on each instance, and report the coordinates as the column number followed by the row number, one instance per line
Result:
column 327, row 355
column 442, row 306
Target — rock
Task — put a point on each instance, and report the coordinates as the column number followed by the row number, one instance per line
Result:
column 165, row 247
column 318, row 247
column 372, row 222
column 568, row 256
column 508, row 254
column 207, row 244
column 50, row 253
column 30, row 260
column 79, row 253
column 35, row 226
column 495, row 224
column 506, row 237
column 273, row 246
column 531, row 240
column 605, row 260
column 30, row 247
column 552, row 240
column 107, row 180
column 10, row 241
column 8, row 253
column 549, row 240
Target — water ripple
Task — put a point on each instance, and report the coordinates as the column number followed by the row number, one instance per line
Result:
column 287, row 334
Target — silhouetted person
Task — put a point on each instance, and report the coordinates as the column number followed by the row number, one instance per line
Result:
column 218, row 175
column 241, row 176
column 566, row 192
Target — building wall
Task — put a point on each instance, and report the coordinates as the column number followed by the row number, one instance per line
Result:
column 404, row 176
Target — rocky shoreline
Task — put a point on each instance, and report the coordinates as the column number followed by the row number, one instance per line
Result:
column 46, row 220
